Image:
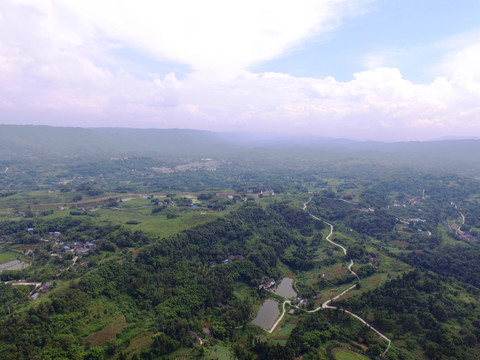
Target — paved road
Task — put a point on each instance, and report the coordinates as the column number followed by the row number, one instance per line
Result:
column 281, row 316
column 24, row 283
column 326, row 305
column 353, row 272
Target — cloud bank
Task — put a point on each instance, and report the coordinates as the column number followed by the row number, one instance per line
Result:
column 59, row 65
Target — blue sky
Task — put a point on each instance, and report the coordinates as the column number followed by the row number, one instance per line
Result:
column 408, row 33
column 362, row 69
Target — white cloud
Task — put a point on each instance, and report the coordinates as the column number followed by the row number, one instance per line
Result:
column 213, row 35
column 56, row 64
column 461, row 56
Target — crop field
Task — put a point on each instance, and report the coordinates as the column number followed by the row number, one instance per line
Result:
column 6, row 257
column 108, row 333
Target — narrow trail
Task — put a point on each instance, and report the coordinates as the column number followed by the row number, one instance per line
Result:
column 326, row 305
column 459, row 230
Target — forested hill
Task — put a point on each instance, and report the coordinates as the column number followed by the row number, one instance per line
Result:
column 40, row 142
column 166, row 244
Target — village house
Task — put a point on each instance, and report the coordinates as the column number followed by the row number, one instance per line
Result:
column 373, row 259
column 268, row 284
column 45, row 287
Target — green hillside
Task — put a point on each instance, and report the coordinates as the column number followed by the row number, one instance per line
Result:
column 133, row 244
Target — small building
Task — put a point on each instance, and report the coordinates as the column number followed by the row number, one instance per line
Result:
column 30, row 230
column 268, row 284
column 46, row 286
column 34, row 296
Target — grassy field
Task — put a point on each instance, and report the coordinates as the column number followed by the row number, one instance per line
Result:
column 345, row 354
column 285, row 331
column 158, row 224
column 7, row 257
column 243, row 291
column 219, row 352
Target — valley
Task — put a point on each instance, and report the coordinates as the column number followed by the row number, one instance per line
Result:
column 357, row 258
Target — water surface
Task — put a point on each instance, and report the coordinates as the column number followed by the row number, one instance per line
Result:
column 285, row 288
column 267, row 314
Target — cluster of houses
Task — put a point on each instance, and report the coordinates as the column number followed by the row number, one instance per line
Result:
column 44, row 288
column 78, row 249
column 467, row 237
column 410, row 202
column 299, row 301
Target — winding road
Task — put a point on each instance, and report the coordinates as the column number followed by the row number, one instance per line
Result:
column 326, row 305
column 459, row 230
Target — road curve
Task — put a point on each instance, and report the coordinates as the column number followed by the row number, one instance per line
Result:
column 281, row 316
column 326, row 305
column 351, row 271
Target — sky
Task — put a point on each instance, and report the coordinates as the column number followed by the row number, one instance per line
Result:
column 361, row 69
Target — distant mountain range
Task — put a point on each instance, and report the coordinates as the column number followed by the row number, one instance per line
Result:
column 39, row 142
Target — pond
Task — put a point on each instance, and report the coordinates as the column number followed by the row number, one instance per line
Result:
column 267, row 314
column 285, row 288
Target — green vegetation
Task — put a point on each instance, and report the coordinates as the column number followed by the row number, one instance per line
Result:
column 344, row 354
column 158, row 248
column 7, row 256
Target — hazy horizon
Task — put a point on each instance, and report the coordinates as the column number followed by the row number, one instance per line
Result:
column 258, row 136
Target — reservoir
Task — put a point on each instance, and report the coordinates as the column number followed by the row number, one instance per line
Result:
column 267, row 314
column 285, row 288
